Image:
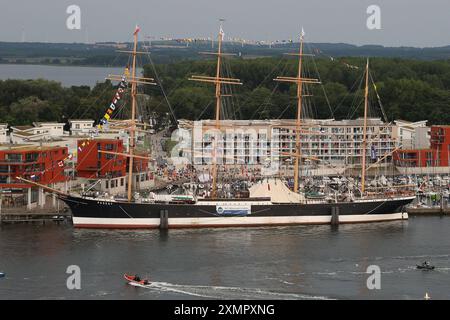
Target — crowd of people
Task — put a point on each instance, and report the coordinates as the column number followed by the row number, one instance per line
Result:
column 188, row 172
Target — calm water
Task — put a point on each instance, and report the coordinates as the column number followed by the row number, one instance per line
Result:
column 66, row 75
column 260, row 263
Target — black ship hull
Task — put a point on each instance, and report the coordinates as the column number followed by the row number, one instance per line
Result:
column 99, row 213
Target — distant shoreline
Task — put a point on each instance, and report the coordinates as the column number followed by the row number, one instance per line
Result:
column 59, row 65
column 84, row 65
column 80, row 54
column 66, row 75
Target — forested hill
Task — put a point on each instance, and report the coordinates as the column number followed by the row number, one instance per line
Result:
column 104, row 54
column 409, row 89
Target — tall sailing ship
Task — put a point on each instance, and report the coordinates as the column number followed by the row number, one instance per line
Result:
column 269, row 201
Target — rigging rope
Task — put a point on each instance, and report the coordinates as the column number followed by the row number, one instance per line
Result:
column 158, row 81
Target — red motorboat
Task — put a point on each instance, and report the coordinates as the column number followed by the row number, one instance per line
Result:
column 136, row 279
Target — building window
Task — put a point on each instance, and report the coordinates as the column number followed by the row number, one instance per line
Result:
column 121, row 182
column 14, row 157
column 31, row 157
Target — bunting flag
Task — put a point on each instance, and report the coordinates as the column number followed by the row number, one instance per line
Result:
column 350, row 66
column 317, row 51
column 136, row 31
column 116, row 99
column 239, row 40
column 222, row 34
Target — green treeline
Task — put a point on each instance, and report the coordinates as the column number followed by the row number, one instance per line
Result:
column 25, row 101
column 409, row 89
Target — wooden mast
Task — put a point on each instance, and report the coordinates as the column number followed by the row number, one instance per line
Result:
column 218, row 105
column 133, row 118
column 218, row 81
column 299, row 114
column 299, row 81
column 364, row 146
column 134, row 80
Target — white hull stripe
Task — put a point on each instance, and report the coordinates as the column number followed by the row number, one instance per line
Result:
column 231, row 221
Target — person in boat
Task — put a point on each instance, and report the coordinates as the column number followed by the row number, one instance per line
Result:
column 138, row 279
column 426, row 264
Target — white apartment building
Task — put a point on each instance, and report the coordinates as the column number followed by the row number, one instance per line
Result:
column 81, row 126
column 4, row 137
column 54, row 129
column 412, row 135
column 25, row 134
column 39, row 131
column 258, row 142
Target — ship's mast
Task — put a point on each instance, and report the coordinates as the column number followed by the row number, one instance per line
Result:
column 218, row 106
column 299, row 81
column 218, row 81
column 134, row 80
column 299, row 114
column 366, row 105
column 133, row 117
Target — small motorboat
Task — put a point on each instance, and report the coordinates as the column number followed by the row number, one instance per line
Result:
column 136, row 279
column 425, row 266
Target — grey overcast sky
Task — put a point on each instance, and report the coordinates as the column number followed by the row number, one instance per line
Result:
column 420, row 23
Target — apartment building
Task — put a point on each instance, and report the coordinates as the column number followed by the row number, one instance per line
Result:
column 258, row 142
column 4, row 137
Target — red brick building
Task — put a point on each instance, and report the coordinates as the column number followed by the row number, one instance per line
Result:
column 436, row 156
column 40, row 164
column 440, row 142
column 93, row 164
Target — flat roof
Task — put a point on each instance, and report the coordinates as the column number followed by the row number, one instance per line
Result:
column 275, row 122
column 22, row 127
column 22, row 148
column 27, row 134
column 101, row 139
column 50, row 122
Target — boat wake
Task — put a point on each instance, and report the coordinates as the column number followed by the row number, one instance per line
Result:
column 226, row 293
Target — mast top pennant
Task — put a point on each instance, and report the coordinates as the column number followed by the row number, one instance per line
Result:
column 136, row 30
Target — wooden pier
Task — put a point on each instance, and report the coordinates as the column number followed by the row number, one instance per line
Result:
column 434, row 211
column 34, row 217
